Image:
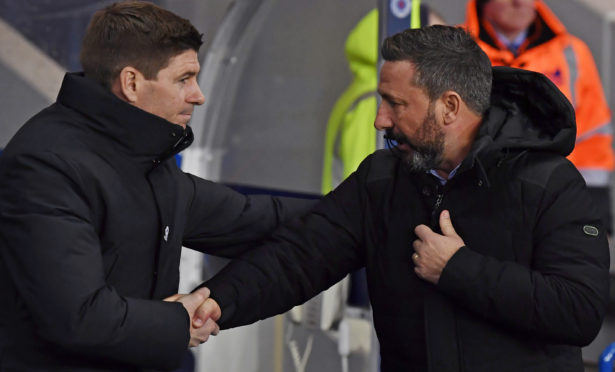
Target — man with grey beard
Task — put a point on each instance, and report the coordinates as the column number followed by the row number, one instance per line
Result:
column 483, row 249
column 426, row 155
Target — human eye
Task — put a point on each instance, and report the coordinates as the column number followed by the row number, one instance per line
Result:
column 393, row 103
column 185, row 77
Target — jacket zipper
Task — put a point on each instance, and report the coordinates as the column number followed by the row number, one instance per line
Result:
column 438, row 202
column 436, row 207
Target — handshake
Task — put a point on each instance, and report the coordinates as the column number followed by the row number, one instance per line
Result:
column 203, row 312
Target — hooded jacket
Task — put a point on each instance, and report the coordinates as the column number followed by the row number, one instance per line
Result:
column 350, row 135
column 568, row 62
column 93, row 216
column 525, row 292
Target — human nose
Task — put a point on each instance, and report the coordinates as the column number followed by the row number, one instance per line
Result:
column 197, row 97
column 383, row 118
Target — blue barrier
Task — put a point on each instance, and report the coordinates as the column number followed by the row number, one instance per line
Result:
column 606, row 358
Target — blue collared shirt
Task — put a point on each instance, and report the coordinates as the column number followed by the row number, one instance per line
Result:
column 512, row 45
column 442, row 179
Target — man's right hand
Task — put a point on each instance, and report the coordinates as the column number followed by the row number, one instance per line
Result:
column 205, row 323
column 207, row 311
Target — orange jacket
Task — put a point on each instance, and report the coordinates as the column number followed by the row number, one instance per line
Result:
column 568, row 62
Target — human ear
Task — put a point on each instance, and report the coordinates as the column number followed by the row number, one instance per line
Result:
column 128, row 83
column 451, row 103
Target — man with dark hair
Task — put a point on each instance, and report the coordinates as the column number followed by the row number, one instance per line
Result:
column 94, row 210
column 482, row 246
column 135, row 33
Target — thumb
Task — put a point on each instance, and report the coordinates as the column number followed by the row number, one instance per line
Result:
column 192, row 301
column 197, row 319
column 209, row 309
column 446, row 225
column 203, row 291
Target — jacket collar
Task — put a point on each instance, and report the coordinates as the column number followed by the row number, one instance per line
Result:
column 139, row 132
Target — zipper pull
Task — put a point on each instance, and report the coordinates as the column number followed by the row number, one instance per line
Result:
column 436, row 208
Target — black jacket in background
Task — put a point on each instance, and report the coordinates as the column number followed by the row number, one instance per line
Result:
column 528, row 289
column 93, row 214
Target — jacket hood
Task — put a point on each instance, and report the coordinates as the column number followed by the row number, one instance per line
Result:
column 528, row 112
column 362, row 46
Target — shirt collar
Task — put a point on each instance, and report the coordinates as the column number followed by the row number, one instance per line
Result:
column 442, row 179
column 513, row 45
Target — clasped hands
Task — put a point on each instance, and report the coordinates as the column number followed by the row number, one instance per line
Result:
column 203, row 312
column 432, row 250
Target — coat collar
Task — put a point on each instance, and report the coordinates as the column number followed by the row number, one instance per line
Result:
column 139, row 132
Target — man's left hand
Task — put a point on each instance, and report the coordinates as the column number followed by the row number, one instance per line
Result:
column 432, row 250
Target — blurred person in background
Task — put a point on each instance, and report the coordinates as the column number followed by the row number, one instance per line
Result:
column 526, row 34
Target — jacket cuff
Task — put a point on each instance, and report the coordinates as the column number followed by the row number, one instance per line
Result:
column 454, row 274
column 226, row 297
column 160, row 333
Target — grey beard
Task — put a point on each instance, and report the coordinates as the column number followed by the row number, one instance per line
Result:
column 423, row 159
column 428, row 153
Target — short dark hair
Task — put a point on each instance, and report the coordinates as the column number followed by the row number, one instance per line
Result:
column 134, row 33
column 445, row 58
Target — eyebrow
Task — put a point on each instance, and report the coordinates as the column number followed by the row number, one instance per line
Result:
column 188, row 73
